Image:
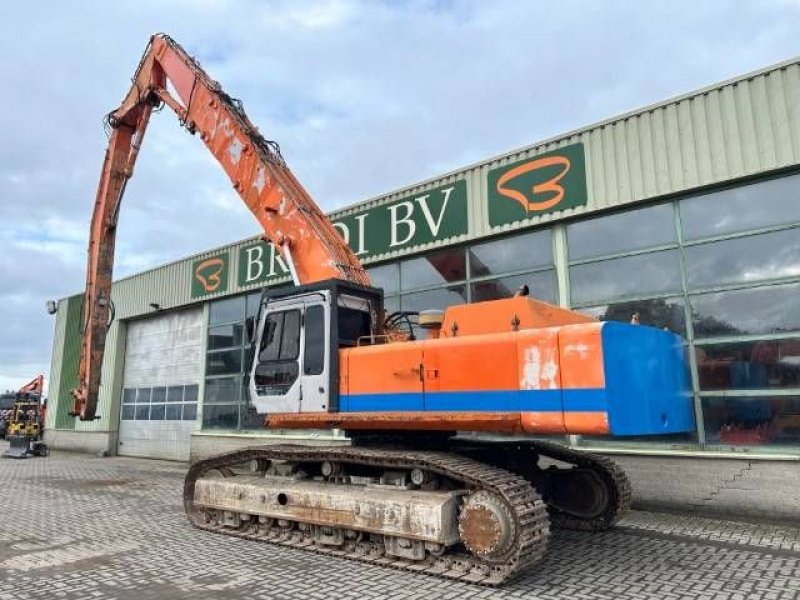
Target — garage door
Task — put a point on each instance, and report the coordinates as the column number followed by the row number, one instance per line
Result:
column 160, row 385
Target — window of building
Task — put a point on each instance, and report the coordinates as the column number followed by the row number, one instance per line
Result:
column 752, row 420
column 228, row 357
column 774, row 202
column 628, row 231
column 437, row 299
column 664, row 313
column 747, row 365
column 748, row 311
column 521, row 252
column 651, row 274
column 745, row 260
column 161, row 403
column 730, row 287
column 386, row 277
column 541, row 285
column 434, row 269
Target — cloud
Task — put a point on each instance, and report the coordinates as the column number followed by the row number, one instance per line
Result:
column 363, row 97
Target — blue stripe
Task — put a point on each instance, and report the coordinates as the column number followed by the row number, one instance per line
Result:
column 592, row 400
column 585, row 400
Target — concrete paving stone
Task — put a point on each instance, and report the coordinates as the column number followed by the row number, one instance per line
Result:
column 79, row 527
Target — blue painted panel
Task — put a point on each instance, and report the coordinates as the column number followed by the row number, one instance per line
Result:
column 647, row 381
column 478, row 401
column 585, row 400
column 381, row 402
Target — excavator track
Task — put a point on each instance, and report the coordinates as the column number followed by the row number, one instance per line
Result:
column 526, row 508
column 613, row 477
column 522, row 458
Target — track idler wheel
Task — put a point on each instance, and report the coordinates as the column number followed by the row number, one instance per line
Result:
column 486, row 526
column 579, row 492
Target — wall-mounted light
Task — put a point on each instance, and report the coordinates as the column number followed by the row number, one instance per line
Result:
column 52, row 307
column 155, row 306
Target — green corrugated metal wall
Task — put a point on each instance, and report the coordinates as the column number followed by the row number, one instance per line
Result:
column 69, row 363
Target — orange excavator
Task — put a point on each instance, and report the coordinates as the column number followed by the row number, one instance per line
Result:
column 442, row 475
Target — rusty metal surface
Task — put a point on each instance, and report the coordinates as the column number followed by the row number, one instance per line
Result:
column 529, row 513
column 486, row 525
column 398, row 421
column 413, row 514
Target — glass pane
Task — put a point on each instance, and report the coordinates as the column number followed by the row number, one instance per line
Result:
column 225, row 311
column 190, row 411
column 290, row 342
column 435, row 299
column 434, row 269
column 174, row 412
column 516, row 253
column 142, row 395
column 250, row 419
column 622, row 232
column 142, row 412
column 128, row 395
column 315, row 348
column 386, row 277
column 744, row 260
column 224, row 362
column 175, row 393
column 253, row 300
column 157, row 412
column 391, row 304
column 353, row 324
column 225, row 336
column 222, row 391
column 127, row 412
column 770, row 309
column 749, row 365
column 641, row 275
column 275, row 377
column 753, row 206
column 541, row 286
column 159, row 394
column 752, row 421
column 220, row 416
column 662, row 313
column 271, row 338
column 191, row 392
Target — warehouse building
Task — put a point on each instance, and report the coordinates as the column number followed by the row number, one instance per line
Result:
column 685, row 213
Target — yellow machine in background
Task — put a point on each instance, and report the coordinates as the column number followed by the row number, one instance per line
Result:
column 25, row 428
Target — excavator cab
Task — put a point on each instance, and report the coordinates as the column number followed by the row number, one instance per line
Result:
column 297, row 339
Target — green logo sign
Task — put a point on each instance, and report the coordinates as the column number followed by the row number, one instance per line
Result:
column 260, row 263
column 210, row 275
column 537, row 185
column 432, row 215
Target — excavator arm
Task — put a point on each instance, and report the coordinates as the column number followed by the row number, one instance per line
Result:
column 292, row 221
column 35, row 386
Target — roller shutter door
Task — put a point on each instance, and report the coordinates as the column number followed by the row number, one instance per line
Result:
column 160, row 385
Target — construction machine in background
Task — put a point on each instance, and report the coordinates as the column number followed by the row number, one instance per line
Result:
column 408, row 492
column 25, row 425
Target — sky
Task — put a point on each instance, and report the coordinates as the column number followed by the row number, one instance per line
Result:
column 363, row 96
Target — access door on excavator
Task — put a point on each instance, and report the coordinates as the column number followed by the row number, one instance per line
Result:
column 291, row 358
column 295, row 355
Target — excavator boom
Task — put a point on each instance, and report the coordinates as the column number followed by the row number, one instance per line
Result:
column 291, row 220
column 35, row 386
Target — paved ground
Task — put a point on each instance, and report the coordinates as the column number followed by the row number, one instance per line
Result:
column 77, row 527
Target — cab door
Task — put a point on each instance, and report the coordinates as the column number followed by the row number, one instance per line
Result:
column 291, row 365
column 315, row 359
